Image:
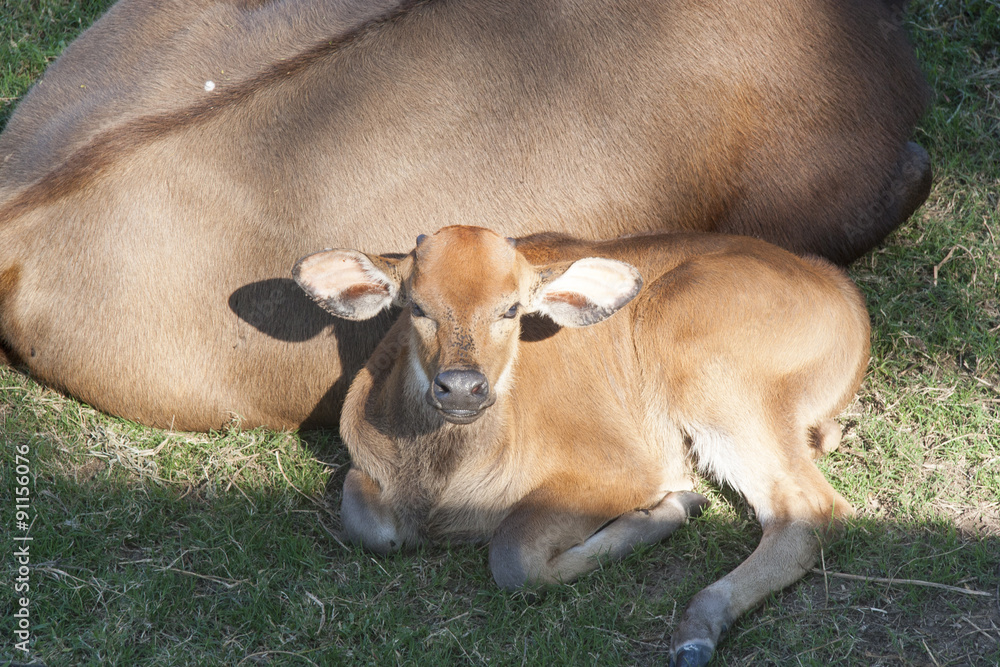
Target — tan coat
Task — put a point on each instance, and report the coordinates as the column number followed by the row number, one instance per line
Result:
column 478, row 418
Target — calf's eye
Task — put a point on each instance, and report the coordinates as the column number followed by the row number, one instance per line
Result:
column 416, row 310
column 511, row 312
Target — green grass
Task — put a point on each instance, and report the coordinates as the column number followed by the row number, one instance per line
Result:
column 160, row 548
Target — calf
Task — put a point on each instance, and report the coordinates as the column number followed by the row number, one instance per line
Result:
column 504, row 405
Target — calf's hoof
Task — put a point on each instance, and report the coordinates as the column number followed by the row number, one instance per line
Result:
column 691, row 655
column 692, row 503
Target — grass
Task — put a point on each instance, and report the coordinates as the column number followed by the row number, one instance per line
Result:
column 160, row 548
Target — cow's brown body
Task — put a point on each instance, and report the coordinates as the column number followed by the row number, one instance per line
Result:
column 575, row 443
column 148, row 218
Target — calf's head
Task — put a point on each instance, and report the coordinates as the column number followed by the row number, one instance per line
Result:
column 465, row 289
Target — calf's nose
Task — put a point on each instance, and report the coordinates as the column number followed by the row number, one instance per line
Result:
column 460, row 390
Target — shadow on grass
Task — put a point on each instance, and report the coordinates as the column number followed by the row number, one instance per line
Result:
column 131, row 562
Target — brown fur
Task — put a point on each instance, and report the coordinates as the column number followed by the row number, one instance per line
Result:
column 735, row 356
column 9, row 279
column 154, row 222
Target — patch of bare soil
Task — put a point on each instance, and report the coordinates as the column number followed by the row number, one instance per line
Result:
column 952, row 628
column 953, row 480
column 980, row 521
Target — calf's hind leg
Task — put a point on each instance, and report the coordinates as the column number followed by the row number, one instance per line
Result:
column 798, row 510
column 547, row 539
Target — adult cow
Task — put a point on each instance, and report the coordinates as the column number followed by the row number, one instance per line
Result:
column 163, row 176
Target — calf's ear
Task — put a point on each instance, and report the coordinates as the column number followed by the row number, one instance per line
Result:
column 586, row 291
column 348, row 283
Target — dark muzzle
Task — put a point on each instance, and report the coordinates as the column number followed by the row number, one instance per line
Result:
column 460, row 395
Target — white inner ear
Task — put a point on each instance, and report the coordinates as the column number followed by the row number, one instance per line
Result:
column 589, row 291
column 603, row 282
column 337, row 271
column 346, row 283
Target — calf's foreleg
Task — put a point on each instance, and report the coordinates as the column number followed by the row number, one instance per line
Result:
column 366, row 518
column 551, row 540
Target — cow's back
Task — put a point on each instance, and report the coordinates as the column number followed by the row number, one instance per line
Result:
column 146, row 57
column 149, row 223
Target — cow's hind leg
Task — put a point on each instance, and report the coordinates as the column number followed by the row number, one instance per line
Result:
column 905, row 191
column 798, row 510
column 548, row 540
